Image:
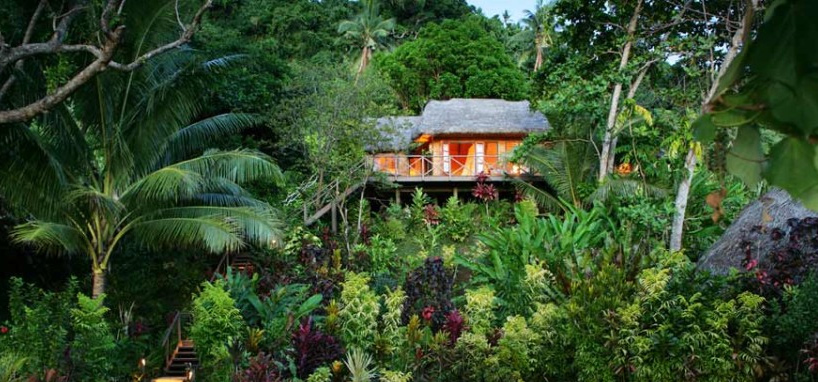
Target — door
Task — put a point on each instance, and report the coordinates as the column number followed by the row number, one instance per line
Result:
column 479, row 157
column 447, row 159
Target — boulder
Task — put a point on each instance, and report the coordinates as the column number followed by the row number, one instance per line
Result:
column 754, row 226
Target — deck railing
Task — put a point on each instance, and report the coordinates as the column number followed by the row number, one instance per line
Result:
column 428, row 166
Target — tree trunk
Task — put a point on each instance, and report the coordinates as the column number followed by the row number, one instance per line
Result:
column 538, row 62
column 99, row 283
column 682, row 195
column 365, row 55
column 608, row 139
column 683, row 192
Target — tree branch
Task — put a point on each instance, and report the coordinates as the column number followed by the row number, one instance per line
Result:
column 103, row 54
column 26, row 38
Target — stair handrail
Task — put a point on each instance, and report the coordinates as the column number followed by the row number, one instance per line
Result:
column 330, row 191
column 176, row 323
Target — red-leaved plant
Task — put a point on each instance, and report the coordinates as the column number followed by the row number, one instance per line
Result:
column 313, row 348
column 455, row 325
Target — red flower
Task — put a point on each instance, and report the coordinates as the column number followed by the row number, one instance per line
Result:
column 4, row 330
column 751, row 264
column 428, row 312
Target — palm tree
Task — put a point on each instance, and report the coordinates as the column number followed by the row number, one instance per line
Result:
column 568, row 165
column 122, row 162
column 369, row 30
column 537, row 31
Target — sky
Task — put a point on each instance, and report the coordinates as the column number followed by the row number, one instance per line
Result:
column 497, row 7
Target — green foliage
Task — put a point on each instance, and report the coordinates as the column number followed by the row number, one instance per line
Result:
column 96, row 173
column 382, row 252
column 12, row 367
column 40, row 324
column 458, row 219
column 93, row 344
column 281, row 311
column 515, row 350
column 792, row 322
column 393, row 333
column 456, row 59
column 776, row 89
column 395, row 376
column 360, row 366
column 216, row 323
column 321, row 374
column 480, row 305
column 563, row 246
column 359, row 313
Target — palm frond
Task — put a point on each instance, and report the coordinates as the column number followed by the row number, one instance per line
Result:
column 202, row 134
column 626, row 187
column 166, row 184
column 238, row 166
column 88, row 198
column 31, row 177
column 51, row 236
column 212, row 233
column 253, row 224
column 542, row 197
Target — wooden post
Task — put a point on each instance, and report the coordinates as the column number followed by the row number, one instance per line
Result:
column 455, row 192
column 334, row 218
column 397, row 196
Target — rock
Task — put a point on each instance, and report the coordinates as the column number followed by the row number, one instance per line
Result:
column 754, row 224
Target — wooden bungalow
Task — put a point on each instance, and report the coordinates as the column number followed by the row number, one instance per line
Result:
column 453, row 141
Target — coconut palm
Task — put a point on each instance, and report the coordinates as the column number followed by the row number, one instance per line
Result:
column 122, row 162
column 537, row 31
column 369, row 31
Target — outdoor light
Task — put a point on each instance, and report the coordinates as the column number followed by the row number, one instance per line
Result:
column 190, row 375
column 143, row 362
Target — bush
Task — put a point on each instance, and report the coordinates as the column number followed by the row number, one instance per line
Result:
column 429, row 293
column 40, row 325
column 359, row 312
column 216, row 323
column 93, row 344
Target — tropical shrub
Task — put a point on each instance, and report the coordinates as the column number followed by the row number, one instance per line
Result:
column 458, row 219
column 359, row 312
column 282, row 309
column 93, row 344
column 40, row 325
column 262, row 368
column 321, row 374
column 393, row 334
column 216, row 323
column 429, row 293
column 11, row 367
column 313, row 349
column 360, row 366
column 480, row 307
column 381, row 252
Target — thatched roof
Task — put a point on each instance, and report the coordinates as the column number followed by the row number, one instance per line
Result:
column 397, row 133
column 771, row 211
column 461, row 116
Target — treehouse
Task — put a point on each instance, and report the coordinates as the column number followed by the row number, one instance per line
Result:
column 452, row 142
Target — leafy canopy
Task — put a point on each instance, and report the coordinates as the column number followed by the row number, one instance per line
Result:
column 450, row 60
